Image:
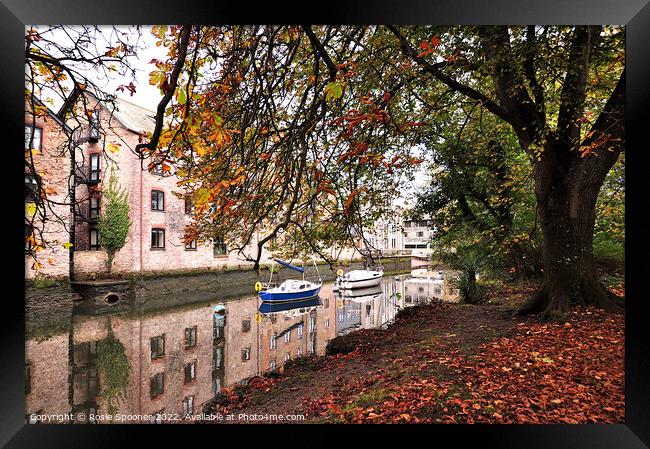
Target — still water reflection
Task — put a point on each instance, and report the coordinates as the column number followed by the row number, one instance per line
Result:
column 173, row 361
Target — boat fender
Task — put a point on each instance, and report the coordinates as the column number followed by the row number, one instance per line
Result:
column 258, row 286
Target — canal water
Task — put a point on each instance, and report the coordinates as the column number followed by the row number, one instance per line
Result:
column 139, row 366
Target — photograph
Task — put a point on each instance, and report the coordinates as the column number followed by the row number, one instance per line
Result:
column 353, row 223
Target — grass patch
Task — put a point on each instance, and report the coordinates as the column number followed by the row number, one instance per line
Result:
column 371, row 398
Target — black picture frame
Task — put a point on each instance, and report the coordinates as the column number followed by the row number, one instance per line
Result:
column 635, row 14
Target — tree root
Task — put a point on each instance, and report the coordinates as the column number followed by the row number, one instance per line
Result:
column 554, row 307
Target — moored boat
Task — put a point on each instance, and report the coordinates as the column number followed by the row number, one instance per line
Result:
column 291, row 289
column 360, row 278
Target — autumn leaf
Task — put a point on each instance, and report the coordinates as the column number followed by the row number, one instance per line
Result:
column 333, row 91
column 114, row 147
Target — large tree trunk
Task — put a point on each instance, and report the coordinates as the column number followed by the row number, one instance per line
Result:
column 567, row 187
column 567, row 214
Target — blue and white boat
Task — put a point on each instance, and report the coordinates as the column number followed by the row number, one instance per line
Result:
column 291, row 289
column 300, row 306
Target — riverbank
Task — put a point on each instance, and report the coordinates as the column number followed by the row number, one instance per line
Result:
column 450, row 363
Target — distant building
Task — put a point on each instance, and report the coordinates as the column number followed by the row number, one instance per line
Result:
column 418, row 234
column 386, row 235
column 393, row 235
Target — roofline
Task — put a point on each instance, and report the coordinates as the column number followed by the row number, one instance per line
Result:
column 52, row 114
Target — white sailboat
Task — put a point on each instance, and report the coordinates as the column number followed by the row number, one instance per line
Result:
column 359, row 278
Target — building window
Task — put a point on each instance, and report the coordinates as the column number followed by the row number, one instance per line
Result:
column 94, row 126
column 37, row 134
column 273, row 342
column 287, row 336
column 312, row 324
column 326, row 323
column 157, row 238
column 94, row 239
column 93, row 211
column 273, row 365
column 157, row 347
column 156, row 418
column 190, row 337
column 188, row 405
column 219, row 247
column 157, row 385
column 94, row 167
column 190, row 372
column 217, row 356
column 301, row 330
column 157, row 200
column 287, row 357
column 299, row 354
column 217, row 328
column 246, row 354
column 420, row 234
column 191, row 245
column 189, row 205
column 245, row 325
column 216, row 385
column 31, row 189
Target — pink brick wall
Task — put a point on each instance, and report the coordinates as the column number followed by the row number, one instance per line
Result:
column 49, row 366
column 137, row 255
column 53, row 165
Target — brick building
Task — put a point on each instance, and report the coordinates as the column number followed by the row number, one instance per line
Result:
column 46, row 147
column 158, row 210
column 96, row 147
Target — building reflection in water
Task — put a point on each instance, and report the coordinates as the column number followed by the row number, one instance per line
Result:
column 178, row 359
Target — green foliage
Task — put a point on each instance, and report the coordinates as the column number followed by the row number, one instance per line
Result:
column 113, row 365
column 43, row 282
column 114, row 223
column 609, row 232
column 470, row 263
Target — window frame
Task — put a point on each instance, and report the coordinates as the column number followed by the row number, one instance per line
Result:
column 160, row 194
column 32, row 137
column 246, row 325
column 97, row 209
column 93, row 133
column 219, row 242
column 192, row 371
column 193, row 331
column 98, row 243
column 188, row 400
column 98, row 170
column 155, row 394
column 246, row 354
column 159, row 355
column 162, row 232
column 189, row 205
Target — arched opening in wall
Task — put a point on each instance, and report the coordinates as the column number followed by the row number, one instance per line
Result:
column 112, row 298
